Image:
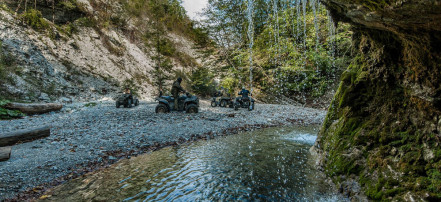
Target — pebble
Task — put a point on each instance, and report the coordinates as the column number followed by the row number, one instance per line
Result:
column 87, row 133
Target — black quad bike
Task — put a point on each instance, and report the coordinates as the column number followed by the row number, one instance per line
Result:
column 226, row 102
column 222, row 101
column 244, row 102
column 188, row 103
column 127, row 100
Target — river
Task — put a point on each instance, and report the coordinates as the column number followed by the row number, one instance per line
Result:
column 268, row 165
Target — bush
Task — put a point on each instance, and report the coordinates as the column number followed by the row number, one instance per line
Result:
column 202, row 81
column 68, row 5
column 35, row 19
column 230, row 83
column 85, row 22
column 6, row 114
column 166, row 47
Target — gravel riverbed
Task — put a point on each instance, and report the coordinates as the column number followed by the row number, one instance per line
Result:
column 85, row 136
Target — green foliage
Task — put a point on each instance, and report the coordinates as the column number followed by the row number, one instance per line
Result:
column 68, row 29
column 285, row 62
column 202, row 37
column 167, row 14
column 161, row 73
column 90, row 104
column 4, row 102
column 6, row 114
column 230, row 83
column 202, row 81
column 166, row 47
column 35, row 19
column 68, row 5
column 85, row 22
column 388, row 140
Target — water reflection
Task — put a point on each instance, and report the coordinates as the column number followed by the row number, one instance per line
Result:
column 270, row 164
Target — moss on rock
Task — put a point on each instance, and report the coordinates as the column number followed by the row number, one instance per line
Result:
column 383, row 127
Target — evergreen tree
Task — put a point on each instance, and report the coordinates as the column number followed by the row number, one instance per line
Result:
column 161, row 72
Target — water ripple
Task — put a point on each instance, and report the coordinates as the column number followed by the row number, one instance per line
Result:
column 267, row 165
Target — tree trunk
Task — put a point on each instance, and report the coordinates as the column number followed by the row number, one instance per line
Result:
column 18, row 7
column 5, row 153
column 34, row 108
column 12, row 138
column 26, row 5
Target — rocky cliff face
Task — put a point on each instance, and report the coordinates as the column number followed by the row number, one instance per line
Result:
column 382, row 134
column 77, row 59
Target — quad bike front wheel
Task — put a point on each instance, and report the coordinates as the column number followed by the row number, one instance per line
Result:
column 117, row 104
column 136, row 102
column 161, row 109
column 223, row 103
column 213, row 104
column 192, row 108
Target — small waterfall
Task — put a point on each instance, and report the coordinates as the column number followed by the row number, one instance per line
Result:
column 250, row 11
column 299, row 14
column 268, row 10
column 304, row 32
column 331, row 39
column 313, row 4
column 293, row 10
column 276, row 29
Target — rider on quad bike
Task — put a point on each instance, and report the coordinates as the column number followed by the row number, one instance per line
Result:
column 127, row 99
column 244, row 101
column 176, row 89
column 188, row 103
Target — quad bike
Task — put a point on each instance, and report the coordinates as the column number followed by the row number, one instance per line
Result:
column 226, row 102
column 127, row 100
column 188, row 103
column 214, row 102
column 244, row 102
column 222, row 101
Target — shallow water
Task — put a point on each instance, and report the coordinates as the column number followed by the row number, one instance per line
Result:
column 270, row 164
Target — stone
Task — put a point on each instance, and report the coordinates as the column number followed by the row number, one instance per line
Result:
column 65, row 100
column 44, row 97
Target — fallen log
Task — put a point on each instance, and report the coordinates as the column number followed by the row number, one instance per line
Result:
column 5, row 153
column 30, row 108
column 9, row 139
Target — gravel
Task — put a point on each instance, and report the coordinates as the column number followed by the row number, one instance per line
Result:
column 81, row 135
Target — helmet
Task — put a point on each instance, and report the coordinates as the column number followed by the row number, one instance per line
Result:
column 179, row 79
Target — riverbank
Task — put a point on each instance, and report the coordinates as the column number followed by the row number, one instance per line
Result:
column 84, row 139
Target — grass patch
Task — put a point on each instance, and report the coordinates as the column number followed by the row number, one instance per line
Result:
column 91, row 104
